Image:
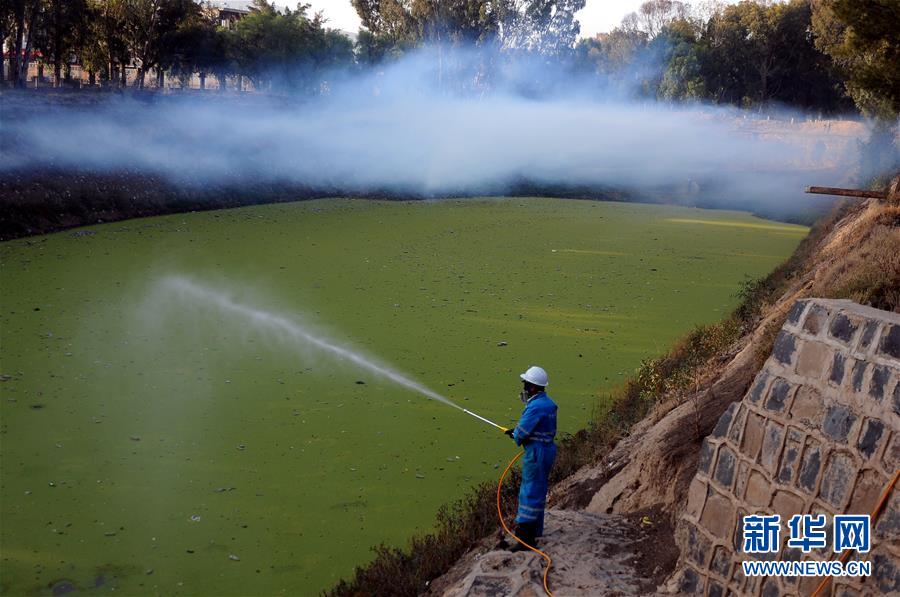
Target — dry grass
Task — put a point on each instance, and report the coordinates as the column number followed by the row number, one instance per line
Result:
column 863, row 265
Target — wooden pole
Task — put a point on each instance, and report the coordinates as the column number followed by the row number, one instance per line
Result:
column 847, row 192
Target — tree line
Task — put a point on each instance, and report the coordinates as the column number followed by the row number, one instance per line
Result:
column 826, row 55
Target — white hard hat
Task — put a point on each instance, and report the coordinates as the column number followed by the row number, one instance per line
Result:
column 535, row 375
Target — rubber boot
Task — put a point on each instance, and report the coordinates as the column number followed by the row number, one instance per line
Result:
column 526, row 532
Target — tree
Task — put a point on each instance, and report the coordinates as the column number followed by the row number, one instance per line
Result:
column 197, row 45
column 679, row 45
column 62, row 23
column 286, row 50
column 24, row 18
column 862, row 39
column 150, row 26
column 656, row 15
column 109, row 38
column 546, row 27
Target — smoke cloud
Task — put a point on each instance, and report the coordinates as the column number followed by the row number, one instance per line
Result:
column 401, row 131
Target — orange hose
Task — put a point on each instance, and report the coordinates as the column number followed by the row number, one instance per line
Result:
column 506, row 528
column 872, row 518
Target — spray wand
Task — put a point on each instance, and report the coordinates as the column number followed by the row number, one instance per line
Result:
column 488, row 421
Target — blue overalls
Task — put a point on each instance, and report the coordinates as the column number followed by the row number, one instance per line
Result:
column 536, row 430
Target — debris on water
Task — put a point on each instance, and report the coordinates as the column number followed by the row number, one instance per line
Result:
column 51, row 484
column 62, row 587
column 59, row 445
column 224, row 489
column 37, row 406
column 135, row 438
column 27, row 492
column 241, row 447
column 420, row 476
column 195, row 517
column 109, row 534
column 149, row 571
column 360, row 382
column 188, row 551
column 503, row 343
column 5, row 377
column 233, row 557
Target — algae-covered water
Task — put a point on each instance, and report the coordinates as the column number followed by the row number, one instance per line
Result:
column 154, row 445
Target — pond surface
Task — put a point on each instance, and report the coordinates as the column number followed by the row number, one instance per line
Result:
column 153, row 444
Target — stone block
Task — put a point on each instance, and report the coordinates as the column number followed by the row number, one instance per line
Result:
column 697, row 547
column 891, row 457
column 690, row 581
column 707, row 452
column 815, row 319
column 843, row 590
column 721, row 562
column 870, row 437
column 759, row 387
column 868, row 489
column 878, row 384
column 737, row 535
column 868, row 335
column 770, row 588
column 836, row 376
column 810, row 465
column 808, row 407
column 796, row 311
column 808, row 585
column 887, row 528
column 843, row 327
column 759, row 491
column 838, row 422
column 753, row 435
column 886, row 573
column 718, row 515
column 838, row 479
column 743, row 473
column 790, row 459
column 784, row 349
column 736, row 431
column 890, row 341
column 779, row 394
column 771, row 446
column 696, row 498
column 895, row 399
column 856, row 378
column 725, row 468
column 814, row 357
column 724, row 421
column 787, row 504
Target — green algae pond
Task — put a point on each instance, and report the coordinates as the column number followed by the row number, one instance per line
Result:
column 152, row 444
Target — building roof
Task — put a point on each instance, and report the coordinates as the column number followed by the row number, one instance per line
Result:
column 232, row 5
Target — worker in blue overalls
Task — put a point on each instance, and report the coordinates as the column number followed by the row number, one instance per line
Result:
column 535, row 430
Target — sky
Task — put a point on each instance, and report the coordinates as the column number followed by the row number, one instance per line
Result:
column 597, row 15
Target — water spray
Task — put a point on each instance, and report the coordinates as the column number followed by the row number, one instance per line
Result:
column 283, row 325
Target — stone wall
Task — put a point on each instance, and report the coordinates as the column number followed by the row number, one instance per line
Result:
column 818, row 432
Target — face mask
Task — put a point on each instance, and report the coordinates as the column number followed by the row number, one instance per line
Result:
column 524, row 396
